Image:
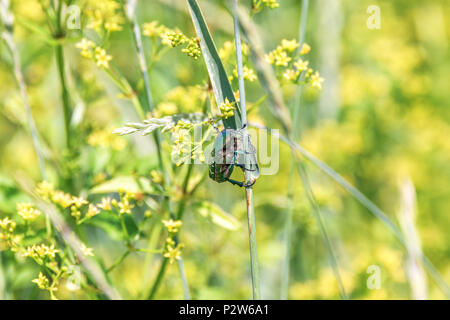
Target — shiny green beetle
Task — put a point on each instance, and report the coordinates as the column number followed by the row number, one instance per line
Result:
column 228, row 153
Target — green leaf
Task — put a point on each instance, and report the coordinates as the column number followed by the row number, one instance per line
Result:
column 219, row 79
column 125, row 183
column 217, row 215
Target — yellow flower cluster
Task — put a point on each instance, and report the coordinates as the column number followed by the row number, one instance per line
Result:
column 27, row 211
column 47, row 191
column 172, row 225
column 227, row 108
column 104, row 15
column 41, row 251
column 172, row 38
column 90, row 51
column 258, row 5
column 228, row 53
column 182, row 144
column 287, row 58
column 7, row 226
column 182, row 100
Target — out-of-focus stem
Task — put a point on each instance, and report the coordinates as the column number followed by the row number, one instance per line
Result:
column 290, row 196
column 248, row 189
column 7, row 35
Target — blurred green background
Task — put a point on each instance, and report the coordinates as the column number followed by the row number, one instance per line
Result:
column 382, row 120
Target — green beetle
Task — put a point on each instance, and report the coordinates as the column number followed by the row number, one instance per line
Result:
column 228, row 153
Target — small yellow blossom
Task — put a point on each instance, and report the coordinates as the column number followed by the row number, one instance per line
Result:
column 291, row 75
column 92, row 211
column 8, row 225
column 102, row 58
column 156, row 176
column 86, row 47
column 42, row 281
column 282, row 59
column 151, row 29
column 125, row 206
column 173, row 253
column 78, row 202
column 45, row 190
column 301, row 65
column 27, row 212
column 105, row 204
column 289, row 45
column 316, row 80
column 87, row 251
column 61, row 198
column 305, row 49
column 172, row 225
column 249, row 74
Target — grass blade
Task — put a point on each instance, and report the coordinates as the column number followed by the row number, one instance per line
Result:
column 219, row 79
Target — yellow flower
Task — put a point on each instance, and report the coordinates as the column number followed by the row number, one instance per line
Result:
column 27, row 212
column 270, row 57
column 291, row 75
column 173, row 253
column 87, row 251
column 125, row 206
column 289, row 45
column 45, row 190
column 7, row 224
column 282, row 59
column 78, row 202
column 105, row 204
column 61, row 198
column 92, row 211
column 151, row 29
column 249, row 74
column 316, row 80
column 227, row 108
column 42, row 281
column 301, row 65
column 86, row 47
column 102, row 58
column 305, row 49
column 156, row 176
column 227, row 50
column 172, row 225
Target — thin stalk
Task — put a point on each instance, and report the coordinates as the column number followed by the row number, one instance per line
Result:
column 60, row 62
column 7, row 35
column 270, row 84
column 248, row 189
column 290, row 195
column 130, row 11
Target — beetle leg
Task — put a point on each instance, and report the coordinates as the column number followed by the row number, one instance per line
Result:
column 237, row 183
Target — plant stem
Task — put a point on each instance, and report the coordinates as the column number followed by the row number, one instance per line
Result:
column 60, row 62
column 7, row 35
column 290, row 196
column 248, row 188
column 118, row 261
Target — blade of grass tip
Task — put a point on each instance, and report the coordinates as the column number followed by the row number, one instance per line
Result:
column 219, row 79
column 97, row 276
column 285, row 274
column 249, row 191
column 365, row 202
column 7, row 35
